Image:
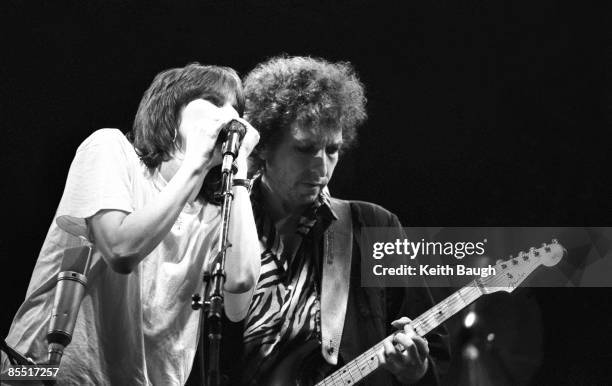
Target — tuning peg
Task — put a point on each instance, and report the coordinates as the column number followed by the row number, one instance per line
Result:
column 555, row 241
column 499, row 261
column 543, row 245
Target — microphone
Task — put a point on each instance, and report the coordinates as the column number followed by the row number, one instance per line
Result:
column 70, row 290
column 234, row 132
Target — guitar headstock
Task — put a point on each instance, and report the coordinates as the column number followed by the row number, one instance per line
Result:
column 511, row 273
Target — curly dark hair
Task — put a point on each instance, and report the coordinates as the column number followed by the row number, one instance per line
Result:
column 157, row 120
column 309, row 91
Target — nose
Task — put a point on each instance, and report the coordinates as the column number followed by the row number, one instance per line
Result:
column 321, row 163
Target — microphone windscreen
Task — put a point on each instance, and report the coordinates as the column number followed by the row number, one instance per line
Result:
column 230, row 127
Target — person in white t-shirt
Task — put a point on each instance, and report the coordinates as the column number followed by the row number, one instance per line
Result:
column 140, row 202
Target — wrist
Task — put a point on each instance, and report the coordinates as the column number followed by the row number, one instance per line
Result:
column 413, row 378
column 240, row 183
column 242, row 166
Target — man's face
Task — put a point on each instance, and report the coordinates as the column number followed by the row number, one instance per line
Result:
column 301, row 165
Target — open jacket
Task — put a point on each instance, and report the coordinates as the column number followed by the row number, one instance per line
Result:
column 369, row 313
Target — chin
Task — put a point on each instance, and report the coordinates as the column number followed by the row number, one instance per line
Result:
column 302, row 199
column 308, row 199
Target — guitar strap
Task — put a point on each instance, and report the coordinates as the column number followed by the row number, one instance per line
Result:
column 337, row 254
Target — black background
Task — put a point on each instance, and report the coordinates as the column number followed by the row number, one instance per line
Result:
column 480, row 113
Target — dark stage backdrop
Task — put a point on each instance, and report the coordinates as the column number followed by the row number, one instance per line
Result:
column 480, row 113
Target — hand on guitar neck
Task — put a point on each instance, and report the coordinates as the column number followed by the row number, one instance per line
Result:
column 405, row 353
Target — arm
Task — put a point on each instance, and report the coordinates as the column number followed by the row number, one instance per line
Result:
column 127, row 238
column 242, row 263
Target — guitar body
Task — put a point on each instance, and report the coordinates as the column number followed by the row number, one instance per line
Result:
column 302, row 367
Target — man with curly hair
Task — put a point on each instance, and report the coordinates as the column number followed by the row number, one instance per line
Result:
column 307, row 112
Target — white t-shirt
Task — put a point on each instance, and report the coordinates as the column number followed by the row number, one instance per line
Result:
column 135, row 329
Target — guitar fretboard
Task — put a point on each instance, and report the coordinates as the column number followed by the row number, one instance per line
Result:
column 511, row 274
column 367, row 362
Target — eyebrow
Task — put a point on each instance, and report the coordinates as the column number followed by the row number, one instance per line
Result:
column 306, row 142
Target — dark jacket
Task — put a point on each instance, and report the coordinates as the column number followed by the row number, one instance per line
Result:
column 370, row 311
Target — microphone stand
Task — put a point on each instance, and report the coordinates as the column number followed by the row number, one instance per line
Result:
column 16, row 358
column 214, row 281
column 70, row 290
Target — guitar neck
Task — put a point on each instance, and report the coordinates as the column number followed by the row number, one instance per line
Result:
column 511, row 274
column 367, row 362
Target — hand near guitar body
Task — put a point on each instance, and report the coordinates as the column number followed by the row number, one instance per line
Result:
column 405, row 353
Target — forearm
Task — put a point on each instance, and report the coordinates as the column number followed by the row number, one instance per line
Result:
column 127, row 239
column 242, row 261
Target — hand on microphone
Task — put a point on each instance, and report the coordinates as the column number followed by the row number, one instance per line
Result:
column 250, row 140
column 200, row 126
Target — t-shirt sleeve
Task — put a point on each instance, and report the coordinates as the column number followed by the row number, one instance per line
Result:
column 99, row 178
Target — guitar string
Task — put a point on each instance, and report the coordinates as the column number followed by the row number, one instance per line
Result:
column 418, row 323
column 424, row 321
column 367, row 357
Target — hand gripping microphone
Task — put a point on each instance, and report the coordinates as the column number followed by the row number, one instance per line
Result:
column 234, row 133
column 70, row 290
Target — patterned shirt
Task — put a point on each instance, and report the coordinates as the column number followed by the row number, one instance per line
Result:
column 285, row 311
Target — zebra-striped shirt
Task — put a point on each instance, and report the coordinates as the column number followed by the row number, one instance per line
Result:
column 285, row 312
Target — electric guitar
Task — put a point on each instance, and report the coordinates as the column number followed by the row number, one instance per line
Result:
column 305, row 366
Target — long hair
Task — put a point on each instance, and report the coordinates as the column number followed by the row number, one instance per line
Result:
column 157, row 120
column 309, row 91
